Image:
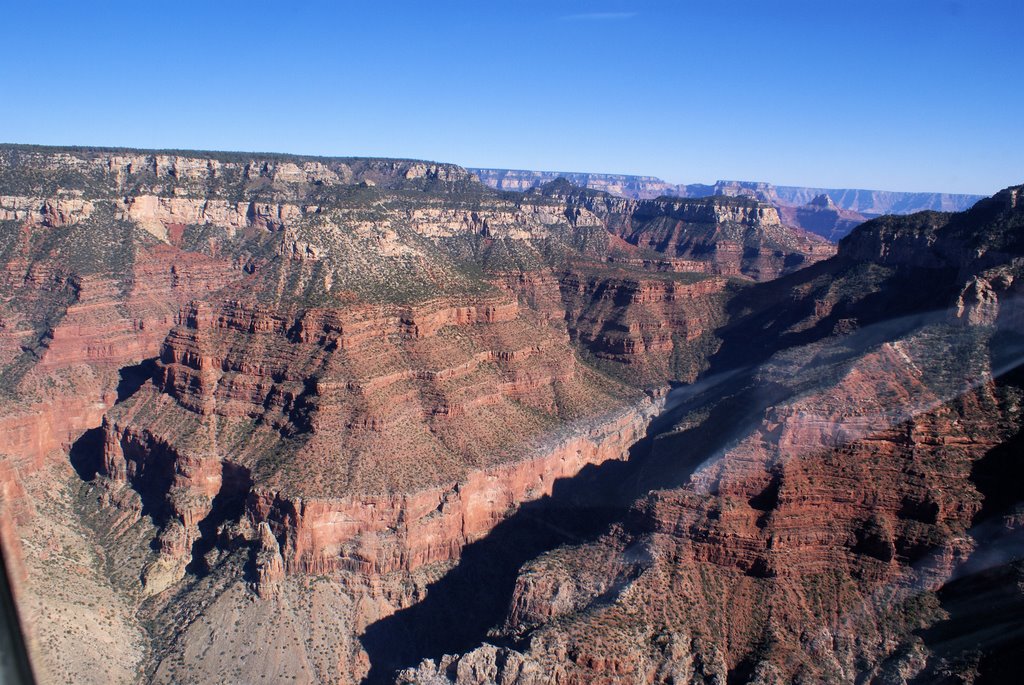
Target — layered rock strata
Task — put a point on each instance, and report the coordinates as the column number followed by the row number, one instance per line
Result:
column 331, row 386
column 806, row 516
column 868, row 202
column 718, row 235
column 376, row 535
column 358, row 368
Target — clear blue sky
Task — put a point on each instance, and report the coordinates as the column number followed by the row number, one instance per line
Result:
column 893, row 94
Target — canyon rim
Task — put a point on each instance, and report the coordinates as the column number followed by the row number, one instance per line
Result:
column 407, row 427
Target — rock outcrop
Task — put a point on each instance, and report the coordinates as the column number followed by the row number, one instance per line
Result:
column 308, row 367
column 867, row 202
column 823, row 217
column 452, row 381
column 717, row 235
column 805, row 517
column 378, row 535
column 657, row 326
column 324, row 397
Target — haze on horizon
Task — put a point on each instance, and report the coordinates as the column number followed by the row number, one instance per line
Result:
column 915, row 95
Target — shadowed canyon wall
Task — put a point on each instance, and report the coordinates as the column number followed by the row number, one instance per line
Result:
column 333, row 400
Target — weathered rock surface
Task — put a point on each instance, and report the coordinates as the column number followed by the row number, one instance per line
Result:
column 806, row 516
column 868, row 202
column 319, row 399
column 719, row 235
column 657, row 326
column 275, row 368
column 823, row 217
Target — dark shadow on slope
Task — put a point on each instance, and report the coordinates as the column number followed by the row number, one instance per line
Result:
column 473, row 597
column 462, row 607
column 982, row 639
column 720, row 410
column 152, row 480
column 743, row 672
column 133, row 377
column 228, row 505
column 86, row 454
column 759, row 327
column 465, row 604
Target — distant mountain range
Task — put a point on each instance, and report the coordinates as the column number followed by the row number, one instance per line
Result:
column 829, row 212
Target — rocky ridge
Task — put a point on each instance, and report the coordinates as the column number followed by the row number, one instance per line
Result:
column 795, row 203
column 823, row 217
column 250, row 358
column 806, row 516
column 317, row 397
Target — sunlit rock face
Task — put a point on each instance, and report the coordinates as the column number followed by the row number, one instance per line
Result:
column 823, row 217
column 264, row 370
column 828, row 212
column 731, row 236
column 833, row 490
column 331, row 401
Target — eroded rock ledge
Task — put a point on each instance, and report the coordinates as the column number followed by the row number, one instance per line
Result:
column 377, row 535
column 365, row 534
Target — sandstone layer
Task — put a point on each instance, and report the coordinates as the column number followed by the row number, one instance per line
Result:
column 270, row 368
column 813, row 518
column 865, row 202
column 337, row 401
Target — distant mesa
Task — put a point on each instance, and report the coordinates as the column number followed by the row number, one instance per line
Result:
column 863, row 204
column 823, row 201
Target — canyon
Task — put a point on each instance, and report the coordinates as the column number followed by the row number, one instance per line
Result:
column 807, row 208
column 821, row 497
column 406, row 427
